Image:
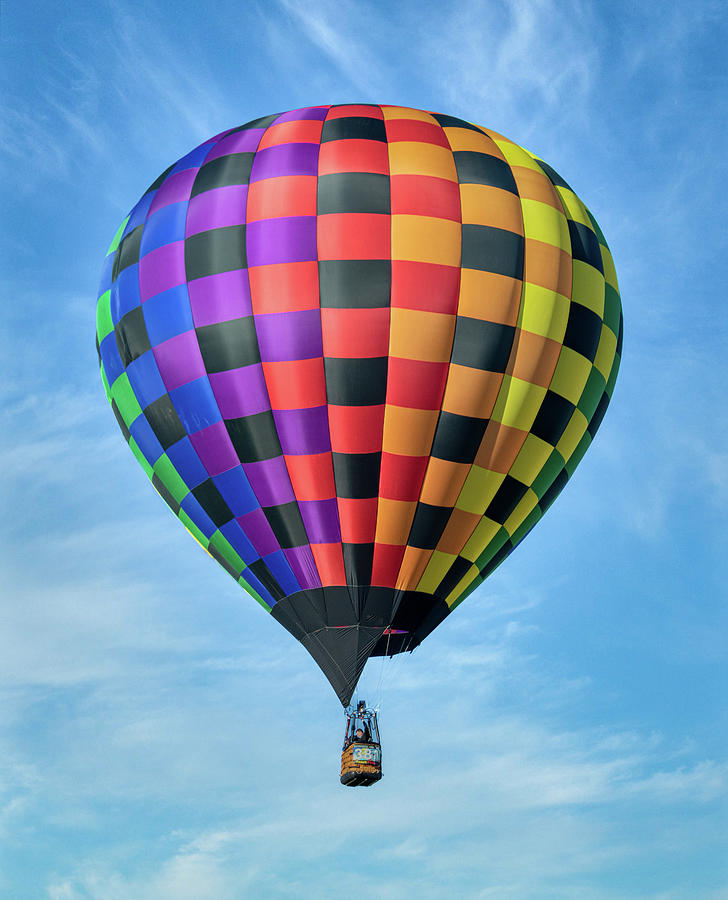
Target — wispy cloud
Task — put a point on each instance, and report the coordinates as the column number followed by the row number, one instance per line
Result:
column 156, row 89
column 456, row 832
column 335, row 31
column 527, row 63
column 181, row 88
column 499, row 775
column 505, row 63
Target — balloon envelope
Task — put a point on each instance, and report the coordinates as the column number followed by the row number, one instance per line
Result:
column 359, row 350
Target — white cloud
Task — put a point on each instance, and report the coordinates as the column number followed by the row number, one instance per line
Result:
column 130, row 68
column 528, row 62
column 482, row 787
column 178, row 85
column 335, row 31
column 499, row 63
column 514, row 816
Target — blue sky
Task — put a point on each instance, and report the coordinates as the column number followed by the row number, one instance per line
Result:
column 564, row 734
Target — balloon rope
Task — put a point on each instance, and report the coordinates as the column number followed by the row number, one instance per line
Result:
column 379, row 694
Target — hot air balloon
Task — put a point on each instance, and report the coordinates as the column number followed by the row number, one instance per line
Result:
column 359, row 350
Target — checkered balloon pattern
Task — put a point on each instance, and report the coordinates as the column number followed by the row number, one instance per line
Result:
column 359, row 350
